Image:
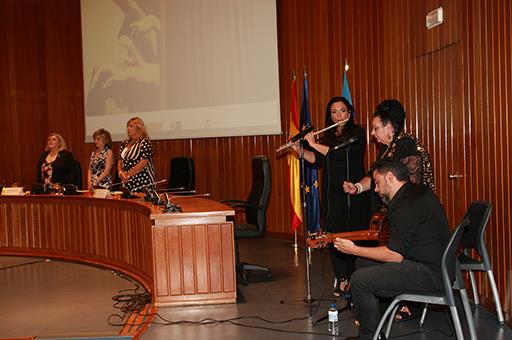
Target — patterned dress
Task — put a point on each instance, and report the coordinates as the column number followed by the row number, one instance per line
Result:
column 410, row 151
column 97, row 165
column 131, row 156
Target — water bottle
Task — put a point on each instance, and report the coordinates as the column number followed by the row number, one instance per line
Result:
column 333, row 320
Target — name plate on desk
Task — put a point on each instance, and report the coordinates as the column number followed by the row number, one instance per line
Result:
column 102, row 193
column 12, row 191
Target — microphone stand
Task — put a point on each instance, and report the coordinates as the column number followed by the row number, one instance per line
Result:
column 309, row 300
column 349, row 220
column 349, row 303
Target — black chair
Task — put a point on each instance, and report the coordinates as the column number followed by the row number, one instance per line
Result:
column 255, row 208
column 182, row 177
column 78, row 180
column 478, row 214
column 452, row 279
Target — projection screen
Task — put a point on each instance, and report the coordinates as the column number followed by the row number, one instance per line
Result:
column 189, row 69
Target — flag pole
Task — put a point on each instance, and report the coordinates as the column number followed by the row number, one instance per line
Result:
column 308, row 299
column 294, row 186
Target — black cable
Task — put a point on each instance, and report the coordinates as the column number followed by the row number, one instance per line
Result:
column 22, row 264
column 232, row 321
column 135, row 302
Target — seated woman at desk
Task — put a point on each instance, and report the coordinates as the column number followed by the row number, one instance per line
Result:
column 101, row 161
column 56, row 164
column 135, row 165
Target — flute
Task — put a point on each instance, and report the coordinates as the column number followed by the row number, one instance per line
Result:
column 291, row 143
column 341, row 122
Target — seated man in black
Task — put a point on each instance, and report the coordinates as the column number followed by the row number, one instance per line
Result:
column 411, row 261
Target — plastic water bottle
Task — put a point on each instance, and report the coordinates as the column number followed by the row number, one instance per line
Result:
column 333, row 320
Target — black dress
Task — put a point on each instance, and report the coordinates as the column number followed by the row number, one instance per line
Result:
column 336, row 215
column 339, row 214
column 410, row 151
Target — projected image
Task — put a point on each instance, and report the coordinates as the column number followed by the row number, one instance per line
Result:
column 189, row 69
column 129, row 80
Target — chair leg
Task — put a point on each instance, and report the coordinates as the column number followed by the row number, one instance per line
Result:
column 423, row 314
column 467, row 312
column 390, row 322
column 242, row 273
column 473, row 287
column 456, row 323
column 390, row 312
column 496, row 296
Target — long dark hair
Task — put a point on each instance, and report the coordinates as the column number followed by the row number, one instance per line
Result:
column 329, row 136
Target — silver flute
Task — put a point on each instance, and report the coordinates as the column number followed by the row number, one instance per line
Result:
column 290, row 144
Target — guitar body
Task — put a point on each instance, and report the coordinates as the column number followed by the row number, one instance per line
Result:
column 378, row 230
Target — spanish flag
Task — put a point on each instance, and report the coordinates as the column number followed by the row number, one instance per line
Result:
column 293, row 164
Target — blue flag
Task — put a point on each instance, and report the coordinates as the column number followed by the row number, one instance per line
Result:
column 345, row 91
column 310, row 171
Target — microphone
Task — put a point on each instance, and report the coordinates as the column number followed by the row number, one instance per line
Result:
column 149, row 184
column 344, row 144
column 301, row 134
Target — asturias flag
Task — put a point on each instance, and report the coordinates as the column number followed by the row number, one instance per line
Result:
column 310, row 171
column 345, row 91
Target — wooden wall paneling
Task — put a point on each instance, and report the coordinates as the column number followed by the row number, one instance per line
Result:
column 9, row 167
column 479, row 114
column 506, row 12
column 488, row 128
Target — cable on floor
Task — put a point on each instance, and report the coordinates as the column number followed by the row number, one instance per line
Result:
column 233, row 321
column 24, row 264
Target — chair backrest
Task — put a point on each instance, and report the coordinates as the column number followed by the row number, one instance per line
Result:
column 182, row 174
column 478, row 214
column 449, row 261
column 260, row 192
column 78, row 174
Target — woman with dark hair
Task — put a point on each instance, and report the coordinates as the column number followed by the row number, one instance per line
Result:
column 135, row 165
column 340, row 213
column 101, row 160
column 394, row 142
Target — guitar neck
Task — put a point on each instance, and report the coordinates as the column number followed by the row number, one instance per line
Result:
column 358, row 235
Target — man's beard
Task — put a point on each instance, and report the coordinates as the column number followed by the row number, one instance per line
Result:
column 385, row 199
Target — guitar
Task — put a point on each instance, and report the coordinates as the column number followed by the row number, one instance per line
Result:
column 378, row 231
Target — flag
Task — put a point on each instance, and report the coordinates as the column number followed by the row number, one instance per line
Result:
column 294, row 164
column 345, row 91
column 310, row 171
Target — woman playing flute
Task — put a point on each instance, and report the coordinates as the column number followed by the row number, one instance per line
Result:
column 340, row 212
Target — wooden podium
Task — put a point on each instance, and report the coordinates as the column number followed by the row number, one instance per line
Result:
column 180, row 258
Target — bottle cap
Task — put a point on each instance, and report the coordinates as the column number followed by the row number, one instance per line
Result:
column 333, row 305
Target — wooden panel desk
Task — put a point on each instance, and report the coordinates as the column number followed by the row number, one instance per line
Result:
column 181, row 258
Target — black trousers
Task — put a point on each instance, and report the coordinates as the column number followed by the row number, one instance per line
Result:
column 371, row 277
column 342, row 264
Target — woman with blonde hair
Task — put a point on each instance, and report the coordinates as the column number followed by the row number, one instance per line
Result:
column 101, row 160
column 56, row 164
column 135, row 165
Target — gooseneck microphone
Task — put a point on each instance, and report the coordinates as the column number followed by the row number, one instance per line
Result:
column 344, row 144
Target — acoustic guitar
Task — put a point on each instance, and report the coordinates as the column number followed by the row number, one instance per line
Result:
column 378, row 231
